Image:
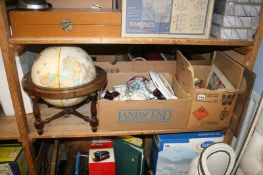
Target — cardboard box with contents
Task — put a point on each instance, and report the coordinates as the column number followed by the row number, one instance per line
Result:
column 177, row 18
column 195, row 109
column 143, row 114
column 211, row 109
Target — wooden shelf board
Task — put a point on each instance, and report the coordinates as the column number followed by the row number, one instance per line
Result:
column 73, row 126
column 8, row 128
column 119, row 40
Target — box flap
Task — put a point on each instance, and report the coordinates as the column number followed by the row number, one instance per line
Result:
column 158, row 66
column 184, row 73
column 231, row 69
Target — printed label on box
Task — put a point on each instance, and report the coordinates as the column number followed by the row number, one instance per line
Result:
column 145, row 115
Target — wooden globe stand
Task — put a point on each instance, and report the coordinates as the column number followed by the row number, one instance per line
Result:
column 90, row 90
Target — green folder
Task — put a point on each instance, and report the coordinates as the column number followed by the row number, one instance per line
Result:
column 129, row 159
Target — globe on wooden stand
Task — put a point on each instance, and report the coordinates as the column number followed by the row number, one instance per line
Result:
column 65, row 78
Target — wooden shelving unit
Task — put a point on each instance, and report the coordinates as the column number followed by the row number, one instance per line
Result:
column 8, row 127
column 118, row 40
column 21, row 126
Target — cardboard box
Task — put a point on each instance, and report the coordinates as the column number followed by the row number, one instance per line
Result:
column 101, row 159
column 208, row 113
column 211, row 109
column 235, row 21
column 12, row 160
column 168, row 18
column 232, row 33
column 143, row 114
column 173, row 153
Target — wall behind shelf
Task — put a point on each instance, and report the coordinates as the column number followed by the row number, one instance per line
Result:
column 258, row 69
column 5, row 96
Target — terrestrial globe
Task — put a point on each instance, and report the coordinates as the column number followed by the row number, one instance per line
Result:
column 63, row 67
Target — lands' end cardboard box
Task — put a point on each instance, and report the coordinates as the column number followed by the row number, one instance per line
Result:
column 211, row 109
column 144, row 114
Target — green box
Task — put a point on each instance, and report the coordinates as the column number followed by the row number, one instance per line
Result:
column 12, row 160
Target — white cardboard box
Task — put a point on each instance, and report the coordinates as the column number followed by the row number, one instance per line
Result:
column 23, row 63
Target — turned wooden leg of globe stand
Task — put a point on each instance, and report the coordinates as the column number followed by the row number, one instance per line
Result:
column 39, row 124
column 93, row 111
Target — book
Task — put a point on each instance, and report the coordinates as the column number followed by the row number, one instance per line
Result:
column 129, row 158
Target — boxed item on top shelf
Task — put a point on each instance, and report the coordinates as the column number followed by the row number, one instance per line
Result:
column 101, row 158
column 232, row 33
column 66, row 23
column 173, row 153
column 236, row 9
column 168, row 18
column 235, row 21
column 195, row 108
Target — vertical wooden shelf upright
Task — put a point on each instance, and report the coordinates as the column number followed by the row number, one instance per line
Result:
column 13, row 81
column 8, row 45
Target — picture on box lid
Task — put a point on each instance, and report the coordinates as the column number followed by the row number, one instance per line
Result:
column 141, row 88
column 217, row 80
column 101, row 155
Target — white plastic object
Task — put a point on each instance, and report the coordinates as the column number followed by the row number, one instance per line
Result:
column 162, row 85
column 217, row 159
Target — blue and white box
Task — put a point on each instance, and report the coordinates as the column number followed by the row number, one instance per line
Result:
column 173, row 153
column 167, row 18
